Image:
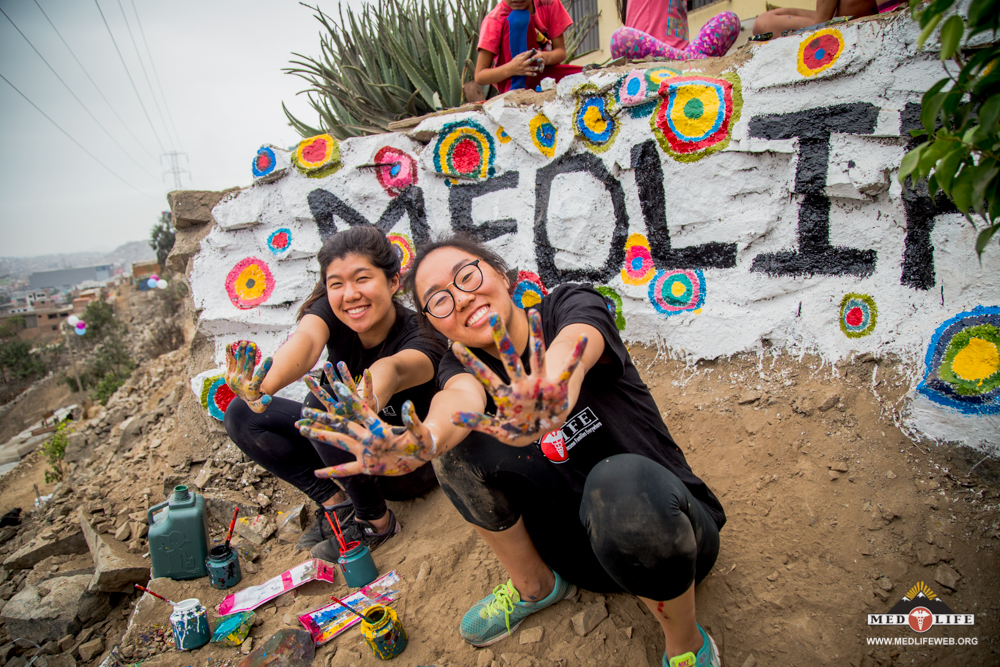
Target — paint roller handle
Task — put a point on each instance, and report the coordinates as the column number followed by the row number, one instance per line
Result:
column 155, row 595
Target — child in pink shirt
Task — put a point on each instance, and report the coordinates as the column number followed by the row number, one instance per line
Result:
column 511, row 42
column 659, row 28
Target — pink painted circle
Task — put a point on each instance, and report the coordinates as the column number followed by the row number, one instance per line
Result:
column 400, row 173
column 249, row 283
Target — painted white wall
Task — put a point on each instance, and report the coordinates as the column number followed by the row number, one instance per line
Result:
column 742, row 195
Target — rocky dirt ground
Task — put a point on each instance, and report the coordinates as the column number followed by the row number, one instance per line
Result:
column 833, row 513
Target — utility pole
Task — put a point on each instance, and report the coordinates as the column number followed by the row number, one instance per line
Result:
column 174, row 168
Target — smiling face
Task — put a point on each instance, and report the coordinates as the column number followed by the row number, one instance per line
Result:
column 519, row 4
column 469, row 323
column 359, row 292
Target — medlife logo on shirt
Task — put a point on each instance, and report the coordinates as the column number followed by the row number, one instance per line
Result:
column 555, row 445
column 921, row 609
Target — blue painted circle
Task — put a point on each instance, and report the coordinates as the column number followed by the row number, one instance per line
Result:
column 820, row 53
column 633, row 86
column 394, row 170
column 637, row 263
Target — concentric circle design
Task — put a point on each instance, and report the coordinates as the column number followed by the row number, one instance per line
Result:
column 673, row 292
column 594, row 122
column 633, row 89
column 639, row 267
column 657, row 75
column 696, row 115
column 963, row 363
column 279, row 241
column 502, row 135
column 263, row 162
column 464, row 148
column 529, row 290
column 400, row 173
column 858, row 315
column 544, row 135
column 249, row 283
column 614, row 303
column 216, row 396
column 403, row 245
column 317, row 156
column 819, row 51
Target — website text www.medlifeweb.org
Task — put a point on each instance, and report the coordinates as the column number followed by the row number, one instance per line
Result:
column 920, row 609
column 923, row 641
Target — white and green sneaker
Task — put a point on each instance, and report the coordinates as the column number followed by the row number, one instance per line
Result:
column 708, row 655
column 499, row 614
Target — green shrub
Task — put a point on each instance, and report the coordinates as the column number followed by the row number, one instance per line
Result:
column 54, row 450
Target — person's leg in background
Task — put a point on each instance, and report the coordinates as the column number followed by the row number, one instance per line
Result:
column 717, row 36
column 272, row 440
column 656, row 540
column 636, row 45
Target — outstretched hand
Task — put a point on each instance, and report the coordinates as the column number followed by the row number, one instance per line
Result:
column 366, row 394
column 379, row 449
column 241, row 376
column 531, row 405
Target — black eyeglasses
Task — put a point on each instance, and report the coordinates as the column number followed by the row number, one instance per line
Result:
column 441, row 304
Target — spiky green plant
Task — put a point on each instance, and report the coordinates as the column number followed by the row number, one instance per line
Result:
column 394, row 60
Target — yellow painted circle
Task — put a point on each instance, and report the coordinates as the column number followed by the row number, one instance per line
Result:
column 705, row 99
column 976, row 361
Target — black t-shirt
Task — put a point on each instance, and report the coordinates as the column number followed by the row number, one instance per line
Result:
column 406, row 334
column 615, row 413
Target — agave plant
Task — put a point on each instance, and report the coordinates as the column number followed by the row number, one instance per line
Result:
column 394, row 60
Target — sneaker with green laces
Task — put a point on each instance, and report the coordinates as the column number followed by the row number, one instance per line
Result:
column 498, row 615
column 708, row 655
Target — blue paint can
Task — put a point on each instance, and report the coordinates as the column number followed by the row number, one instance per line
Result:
column 357, row 565
column 223, row 564
column 189, row 621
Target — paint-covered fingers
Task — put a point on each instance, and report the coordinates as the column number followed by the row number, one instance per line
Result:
column 508, row 355
column 329, row 373
column 574, row 358
column 260, row 374
column 329, row 402
column 536, row 343
column 230, row 361
column 249, row 358
column 345, row 376
column 260, row 403
column 423, row 445
column 326, row 436
column 343, row 470
column 368, row 391
column 481, row 372
column 353, row 404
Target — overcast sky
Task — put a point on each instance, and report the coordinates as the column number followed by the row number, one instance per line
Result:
column 219, row 63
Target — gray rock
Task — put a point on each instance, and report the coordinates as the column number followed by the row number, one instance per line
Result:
column 115, row 569
column 61, row 660
column 54, row 609
column 256, row 529
column 589, row 618
column 38, row 550
column 76, row 448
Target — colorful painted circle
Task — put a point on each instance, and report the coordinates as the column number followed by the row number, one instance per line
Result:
column 639, row 268
column 819, row 51
column 400, row 173
column 673, row 292
column 963, row 363
column 657, row 75
column 543, row 135
column 633, row 88
column 502, row 135
column 317, row 156
column 464, row 148
column 696, row 115
column 858, row 315
column 403, row 246
column 218, row 397
column 614, row 303
column 529, row 289
column 249, row 283
column 595, row 123
column 280, row 241
column 264, row 162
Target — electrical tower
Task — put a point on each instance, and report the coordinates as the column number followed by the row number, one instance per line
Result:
column 175, row 167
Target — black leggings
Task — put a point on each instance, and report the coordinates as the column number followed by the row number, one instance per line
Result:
column 635, row 527
column 272, row 440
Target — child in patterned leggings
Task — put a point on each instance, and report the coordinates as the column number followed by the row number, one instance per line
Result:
column 649, row 31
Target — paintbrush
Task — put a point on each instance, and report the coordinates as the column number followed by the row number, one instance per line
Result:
column 232, row 524
column 155, row 595
column 337, row 531
column 341, row 603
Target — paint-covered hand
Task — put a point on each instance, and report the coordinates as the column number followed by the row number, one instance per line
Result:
column 379, row 449
column 334, row 406
column 532, row 404
column 241, row 376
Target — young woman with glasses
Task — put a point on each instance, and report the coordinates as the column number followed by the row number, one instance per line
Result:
column 558, row 457
column 353, row 313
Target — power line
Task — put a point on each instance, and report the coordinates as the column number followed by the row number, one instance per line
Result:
column 96, row 87
column 129, row 155
column 156, row 76
column 129, row 75
column 142, row 66
column 70, row 137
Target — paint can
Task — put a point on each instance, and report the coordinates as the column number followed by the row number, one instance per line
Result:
column 223, row 564
column 357, row 565
column 383, row 632
column 189, row 622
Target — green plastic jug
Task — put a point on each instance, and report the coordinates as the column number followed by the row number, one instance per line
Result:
column 178, row 536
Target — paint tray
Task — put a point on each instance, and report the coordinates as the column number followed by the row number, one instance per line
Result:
column 327, row 622
column 253, row 597
column 233, row 630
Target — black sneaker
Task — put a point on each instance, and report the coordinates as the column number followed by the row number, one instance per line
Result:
column 370, row 536
column 320, row 530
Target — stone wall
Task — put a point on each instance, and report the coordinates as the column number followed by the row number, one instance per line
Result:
column 721, row 206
